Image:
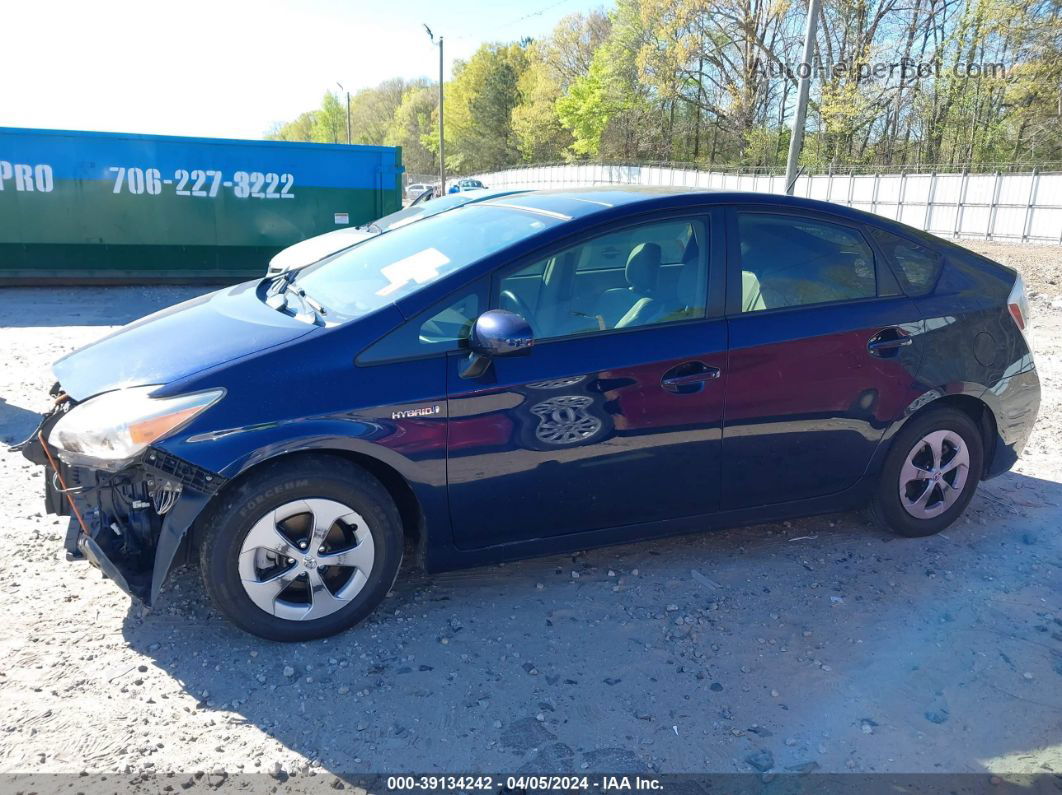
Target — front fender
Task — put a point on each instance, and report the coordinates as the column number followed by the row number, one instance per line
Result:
column 413, row 447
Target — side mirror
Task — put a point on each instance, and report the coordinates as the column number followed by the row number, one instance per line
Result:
column 495, row 333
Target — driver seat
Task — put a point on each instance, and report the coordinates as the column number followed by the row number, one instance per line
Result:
column 637, row 303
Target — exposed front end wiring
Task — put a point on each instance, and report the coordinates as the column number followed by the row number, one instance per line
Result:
column 125, row 519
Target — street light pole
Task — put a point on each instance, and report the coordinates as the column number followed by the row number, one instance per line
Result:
column 442, row 140
column 796, row 140
column 348, row 110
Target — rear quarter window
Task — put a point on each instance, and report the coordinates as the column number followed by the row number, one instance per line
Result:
column 917, row 267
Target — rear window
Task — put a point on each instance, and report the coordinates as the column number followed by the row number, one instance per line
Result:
column 916, row 266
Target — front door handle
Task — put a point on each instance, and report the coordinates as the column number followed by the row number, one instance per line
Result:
column 688, row 377
column 887, row 342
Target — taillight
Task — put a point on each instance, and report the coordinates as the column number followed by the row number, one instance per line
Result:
column 1018, row 305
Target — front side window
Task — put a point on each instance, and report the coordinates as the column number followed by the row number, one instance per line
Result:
column 917, row 265
column 640, row 276
column 396, row 264
column 790, row 261
column 439, row 329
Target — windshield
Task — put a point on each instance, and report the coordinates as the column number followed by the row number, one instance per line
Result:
column 389, row 267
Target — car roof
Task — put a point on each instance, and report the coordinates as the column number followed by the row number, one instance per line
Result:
column 575, row 203
column 486, row 194
column 454, row 201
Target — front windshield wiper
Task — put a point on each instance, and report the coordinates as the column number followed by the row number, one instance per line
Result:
column 283, row 286
column 280, row 283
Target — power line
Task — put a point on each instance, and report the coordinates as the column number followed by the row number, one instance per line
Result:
column 517, row 21
column 538, row 13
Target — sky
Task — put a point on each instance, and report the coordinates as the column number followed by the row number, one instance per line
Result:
column 230, row 68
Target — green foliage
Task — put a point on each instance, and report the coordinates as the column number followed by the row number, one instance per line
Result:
column 372, row 111
column 412, row 125
column 301, row 129
column 330, row 122
column 541, row 135
column 586, row 110
column 480, row 101
column 713, row 81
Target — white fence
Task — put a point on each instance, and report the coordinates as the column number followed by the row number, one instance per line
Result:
column 1001, row 206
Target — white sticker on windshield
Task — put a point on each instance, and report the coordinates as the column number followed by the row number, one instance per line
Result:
column 421, row 268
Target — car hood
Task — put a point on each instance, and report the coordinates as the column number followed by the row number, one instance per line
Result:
column 317, row 248
column 177, row 342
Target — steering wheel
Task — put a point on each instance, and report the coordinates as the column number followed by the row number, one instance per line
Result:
column 510, row 301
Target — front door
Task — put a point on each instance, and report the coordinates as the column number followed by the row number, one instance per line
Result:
column 824, row 351
column 615, row 417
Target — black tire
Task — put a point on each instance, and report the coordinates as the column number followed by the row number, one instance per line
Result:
column 886, row 508
column 274, row 485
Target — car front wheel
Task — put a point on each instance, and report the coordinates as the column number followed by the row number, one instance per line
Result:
column 930, row 474
column 302, row 550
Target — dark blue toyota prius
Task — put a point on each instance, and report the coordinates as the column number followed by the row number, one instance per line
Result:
column 534, row 374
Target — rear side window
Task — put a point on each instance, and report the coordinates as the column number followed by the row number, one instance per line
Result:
column 917, row 267
column 789, row 261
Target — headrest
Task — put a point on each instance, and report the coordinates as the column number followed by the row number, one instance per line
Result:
column 643, row 267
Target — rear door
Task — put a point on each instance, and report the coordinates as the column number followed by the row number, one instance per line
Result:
column 824, row 352
column 605, row 423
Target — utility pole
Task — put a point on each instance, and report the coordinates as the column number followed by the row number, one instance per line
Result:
column 442, row 140
column 796, row 141
column 348, row 110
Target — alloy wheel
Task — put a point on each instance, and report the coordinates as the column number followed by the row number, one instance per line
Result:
column 306, row 559
column 934, row 474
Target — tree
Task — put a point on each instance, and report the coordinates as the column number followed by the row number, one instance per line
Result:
column 569, row 51
column 943, row 82
column 540, row 133
column 372, row 111
column 301, row 129
column 479, row 106
column 330, row 122
column 411, row 128
column 587, row 109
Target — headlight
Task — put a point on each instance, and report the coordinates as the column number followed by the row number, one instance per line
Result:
column 117, row 425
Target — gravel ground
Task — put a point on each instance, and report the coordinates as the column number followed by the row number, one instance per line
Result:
column 819, row 644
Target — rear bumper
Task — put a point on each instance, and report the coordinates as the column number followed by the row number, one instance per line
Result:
column 1015, row 403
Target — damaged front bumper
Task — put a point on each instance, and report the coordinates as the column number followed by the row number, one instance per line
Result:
column 128, row 520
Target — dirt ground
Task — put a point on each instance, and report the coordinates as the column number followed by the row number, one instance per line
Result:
column 820, row 644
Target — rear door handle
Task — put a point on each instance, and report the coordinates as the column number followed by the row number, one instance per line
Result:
column 887, row 341
column 691, row 374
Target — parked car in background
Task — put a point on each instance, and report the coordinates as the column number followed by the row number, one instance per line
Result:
column 318, row 247
column 531, row 375
column 417, row 189
column 466, row 184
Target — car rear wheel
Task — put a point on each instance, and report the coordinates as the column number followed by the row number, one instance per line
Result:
column 930, row 474
column 302, row 550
